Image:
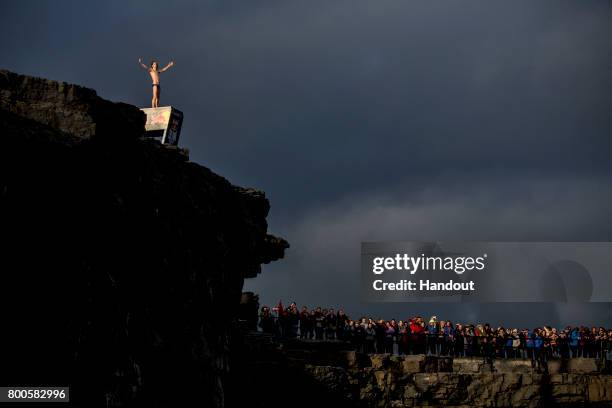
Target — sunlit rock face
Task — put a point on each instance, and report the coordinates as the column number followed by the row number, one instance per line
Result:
column 123, row 263
column 333, row 372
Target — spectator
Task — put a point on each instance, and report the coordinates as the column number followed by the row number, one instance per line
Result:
column 389, row 337
column 319, row 323
column 330, row 325
column 306, row 329
column 380, row 330
column 448, row 339
column 574, row 340
column 403, row 335
column 266, row 321
column 341, row 322
column 459, row 345
column 292, row 320
column 417, row 330
column 439, row 338
column 370, row 338
column 432, row 336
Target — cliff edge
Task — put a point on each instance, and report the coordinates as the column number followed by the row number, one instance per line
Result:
column 123, row 262
column 333, row 373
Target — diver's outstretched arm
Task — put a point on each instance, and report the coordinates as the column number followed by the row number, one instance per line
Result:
column 142, row 65
column 171, row 63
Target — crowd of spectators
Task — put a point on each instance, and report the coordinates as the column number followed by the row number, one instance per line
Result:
column 436, row 337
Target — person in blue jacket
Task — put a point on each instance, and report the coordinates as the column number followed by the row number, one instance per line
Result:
column 574, row 341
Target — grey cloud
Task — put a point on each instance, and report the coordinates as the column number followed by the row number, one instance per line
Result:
column 324, row 266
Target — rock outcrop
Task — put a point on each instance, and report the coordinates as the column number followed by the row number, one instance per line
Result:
column 123, row 263
column 71, row 109
column 333, row 373
column 409, row 381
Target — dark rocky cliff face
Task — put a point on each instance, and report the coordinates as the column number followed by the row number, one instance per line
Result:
column 123, row 263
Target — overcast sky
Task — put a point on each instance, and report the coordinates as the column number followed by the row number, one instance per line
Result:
column 367, row 120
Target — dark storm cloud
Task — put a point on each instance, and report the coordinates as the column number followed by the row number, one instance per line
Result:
column 326, row 243
column 470, row 119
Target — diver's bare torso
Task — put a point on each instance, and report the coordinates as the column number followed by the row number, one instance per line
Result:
column 154, row 76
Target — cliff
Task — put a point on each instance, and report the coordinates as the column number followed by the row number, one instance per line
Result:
column 310, row 373
column 123, row 263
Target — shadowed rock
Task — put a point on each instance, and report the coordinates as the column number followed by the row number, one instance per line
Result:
column 125, row 263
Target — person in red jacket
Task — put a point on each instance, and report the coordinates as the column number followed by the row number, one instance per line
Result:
column 417, row 337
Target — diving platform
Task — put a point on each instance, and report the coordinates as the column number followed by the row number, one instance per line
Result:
column 163, row 124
